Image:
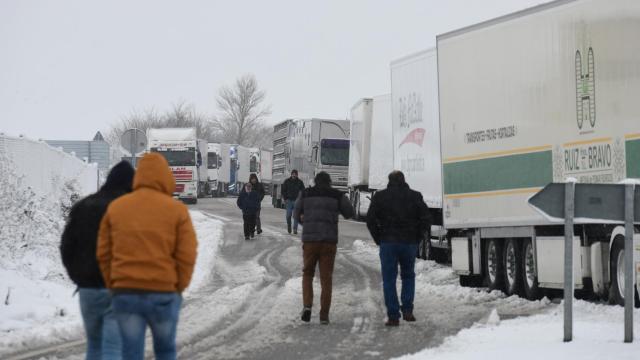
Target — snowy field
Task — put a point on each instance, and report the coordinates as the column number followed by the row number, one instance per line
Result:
column 39, row 306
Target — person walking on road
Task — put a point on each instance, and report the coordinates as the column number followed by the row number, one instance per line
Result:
column 258, row 188
column 319, row 207
column 146, row 252
column 397, row 219
column 78, row 250
column 290, row 190
column 249, row 203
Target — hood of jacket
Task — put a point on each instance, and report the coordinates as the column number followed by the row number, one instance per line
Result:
column 153, row 172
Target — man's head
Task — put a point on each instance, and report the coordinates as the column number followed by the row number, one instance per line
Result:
column 248, row 187
column 120, row 177
column 396, row 177
column 322, row 179
column 294, row 173
column 253, row 179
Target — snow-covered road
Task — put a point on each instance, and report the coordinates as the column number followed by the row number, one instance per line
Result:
column 246, row 298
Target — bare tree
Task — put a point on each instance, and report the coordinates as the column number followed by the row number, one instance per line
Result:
column 181, row 115
column 242, row 114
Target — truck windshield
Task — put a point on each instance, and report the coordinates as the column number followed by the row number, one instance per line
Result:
column 334, row 152
column 179, row 158
column 212, row 160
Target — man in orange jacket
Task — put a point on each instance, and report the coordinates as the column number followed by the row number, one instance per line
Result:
column 146, row 252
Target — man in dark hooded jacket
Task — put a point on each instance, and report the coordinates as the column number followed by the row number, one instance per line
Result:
column 319, row 207
column 257, row 186
column 397, row 219
column 78, row 249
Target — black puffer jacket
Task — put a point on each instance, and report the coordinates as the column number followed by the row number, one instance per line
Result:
column 78, row 245
column 398, row 214
column 321, row 207
column 291, row 188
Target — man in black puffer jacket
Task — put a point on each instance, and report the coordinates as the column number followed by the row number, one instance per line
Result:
column 78, row 249
column 397, row 219
column 319, row 207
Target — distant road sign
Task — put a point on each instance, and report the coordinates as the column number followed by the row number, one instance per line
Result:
column 593, row 202
column 134, row 141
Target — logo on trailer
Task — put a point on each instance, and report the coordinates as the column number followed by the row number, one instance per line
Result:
column 585, row 90
column 416, row 136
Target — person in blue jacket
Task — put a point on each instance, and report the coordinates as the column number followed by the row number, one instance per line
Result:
column 249, row 203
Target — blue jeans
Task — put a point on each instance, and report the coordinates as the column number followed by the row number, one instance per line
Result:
column 100, row 325
column 392, row 255
column 291, row 204
column 135, row 311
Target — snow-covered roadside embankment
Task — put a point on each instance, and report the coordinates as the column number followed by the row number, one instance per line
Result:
column 598, row 334
column 38, row 307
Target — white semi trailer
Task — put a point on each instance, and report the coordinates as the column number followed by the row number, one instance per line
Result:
column 184, row 153
column 370, row 151
column 416, row 139
column 260, row 163
column 217, row 187
column 527, row 99
column 310, row 146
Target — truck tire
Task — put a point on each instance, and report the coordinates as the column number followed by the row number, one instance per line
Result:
column 512, row 258
column 493, row 265
column 356, row 205
column 530, row 284
column 616, row 271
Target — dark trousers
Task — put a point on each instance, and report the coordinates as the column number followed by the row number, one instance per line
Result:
column 258, row 225
column 249, row 224
column 392, row 256
column 323, row 254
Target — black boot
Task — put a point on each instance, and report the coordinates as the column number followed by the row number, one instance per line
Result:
column 289, row 228
column 305, row 315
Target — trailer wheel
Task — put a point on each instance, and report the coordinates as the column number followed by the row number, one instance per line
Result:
column 356, row 205
column 512, row 268
column 493, row 265
column 529, row 278
column 616, row 271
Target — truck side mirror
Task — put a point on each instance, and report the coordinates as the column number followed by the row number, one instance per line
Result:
column 199, row 158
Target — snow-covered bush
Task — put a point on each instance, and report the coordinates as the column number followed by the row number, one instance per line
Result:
column 31, row 225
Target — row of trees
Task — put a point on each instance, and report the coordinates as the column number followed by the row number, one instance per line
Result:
column 241, row 117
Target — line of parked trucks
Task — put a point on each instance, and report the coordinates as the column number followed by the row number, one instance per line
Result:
column 204, row 169
column 478, row 124
column 483, row 121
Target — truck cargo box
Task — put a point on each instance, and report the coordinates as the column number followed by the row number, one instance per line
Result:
column 416, row 130
column 360, row 122
column 381, row 149
column 535, row 97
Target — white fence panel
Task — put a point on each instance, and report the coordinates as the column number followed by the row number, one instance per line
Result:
column 46, row 169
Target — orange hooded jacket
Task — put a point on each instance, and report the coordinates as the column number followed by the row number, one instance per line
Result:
column 146, row 239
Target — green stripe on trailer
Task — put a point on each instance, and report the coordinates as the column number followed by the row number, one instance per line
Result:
column 499, row 173
column 633, row 158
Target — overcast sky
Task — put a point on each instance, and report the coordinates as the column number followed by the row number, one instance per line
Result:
column 71, row 68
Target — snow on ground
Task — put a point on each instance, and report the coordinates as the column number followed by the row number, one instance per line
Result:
column 598, row 328
column 598, row 334
column 38, row 302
